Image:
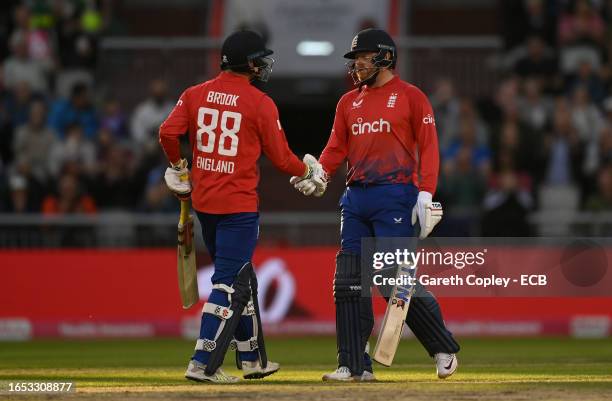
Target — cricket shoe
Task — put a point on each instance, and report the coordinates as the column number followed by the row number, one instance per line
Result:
column 343, row 374
column 253, row 369
column 196, row 371
column 367, row 376
column 446, row 364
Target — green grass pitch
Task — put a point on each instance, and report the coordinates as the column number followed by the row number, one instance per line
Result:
column 489, row 369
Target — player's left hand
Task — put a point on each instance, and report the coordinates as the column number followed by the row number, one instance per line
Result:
column 177, row 179
column 428, row 213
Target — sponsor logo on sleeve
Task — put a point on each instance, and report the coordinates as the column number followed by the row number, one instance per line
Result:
column 428, row 119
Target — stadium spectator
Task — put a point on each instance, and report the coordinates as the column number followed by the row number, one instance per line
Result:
column 18, row 103
column 602, row 199
column 21, row 67
column 114, row 120
column 588, row 122
column 589, row 78
column 564, row 153
column 19, row 194
column 445, row 104
column 539, row 63
column 76, row 110
column 33, row 141
column 75, row 149
column 70, row 198
column 149, row 115
column 26, row 191
column 462, row 187
column 467, row 144
column 510, row 142
column 506, row 207
column 525, row 18
column 503, row 101
column 581, row 25
column 467, row 115
column 112, row 186
column 581, row 36
column 77, row 55
column 33, row 29
column 535, row 109
column 157, row 196
column 468, row 112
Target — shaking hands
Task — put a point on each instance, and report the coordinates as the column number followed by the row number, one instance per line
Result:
column 314, row 182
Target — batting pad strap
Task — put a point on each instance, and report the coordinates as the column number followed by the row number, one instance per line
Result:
column 245, row 346
column 224, row 288
column 204, row 344
column 249, row 309
column 222, row 312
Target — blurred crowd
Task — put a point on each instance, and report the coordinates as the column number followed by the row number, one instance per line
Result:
column 542, row 140
column 62, row 148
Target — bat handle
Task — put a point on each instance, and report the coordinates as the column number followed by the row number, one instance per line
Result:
column 185, row 206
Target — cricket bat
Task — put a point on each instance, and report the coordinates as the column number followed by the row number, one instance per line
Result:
column 395, row 316
column 186, row 260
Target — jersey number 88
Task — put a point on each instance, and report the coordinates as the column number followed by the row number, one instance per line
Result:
column 226, row 132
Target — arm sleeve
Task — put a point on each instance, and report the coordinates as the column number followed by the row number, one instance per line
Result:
column 336, row 149
column 424, row 129
column 274, row 142
column 175, row 125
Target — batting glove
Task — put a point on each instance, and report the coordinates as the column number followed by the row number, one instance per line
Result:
column 314, row 182
column 177, row 179
column 427, row 212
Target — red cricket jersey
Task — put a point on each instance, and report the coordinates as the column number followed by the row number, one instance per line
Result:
column 379, row 131
column 229, row 123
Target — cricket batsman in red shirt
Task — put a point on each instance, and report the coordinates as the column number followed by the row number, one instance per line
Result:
column 385, row 130
column 230, row 123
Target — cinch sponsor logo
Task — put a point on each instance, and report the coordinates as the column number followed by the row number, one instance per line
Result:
column 428, row 119
column 367, row 127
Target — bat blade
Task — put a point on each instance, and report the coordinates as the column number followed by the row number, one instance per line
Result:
column 186, row 260
column 395, row 317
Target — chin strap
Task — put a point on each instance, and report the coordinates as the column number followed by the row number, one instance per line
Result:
column 369, row 80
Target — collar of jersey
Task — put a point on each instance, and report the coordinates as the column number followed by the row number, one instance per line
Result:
column 386, row 85
column 228, row 76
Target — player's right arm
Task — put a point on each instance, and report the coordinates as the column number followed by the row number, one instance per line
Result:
column 176, row 125
column 336, row 150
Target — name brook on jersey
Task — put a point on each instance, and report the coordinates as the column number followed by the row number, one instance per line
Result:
column 224, row 99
